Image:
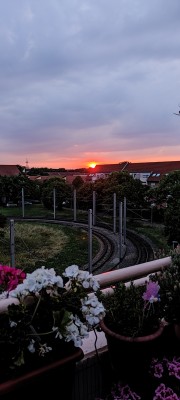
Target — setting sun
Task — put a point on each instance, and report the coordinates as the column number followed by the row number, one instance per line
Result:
column 92, row 165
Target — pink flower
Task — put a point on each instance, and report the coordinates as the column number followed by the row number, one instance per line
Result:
column 174, row 367
column 10, row 277
column 151, row 293
column 165, row 393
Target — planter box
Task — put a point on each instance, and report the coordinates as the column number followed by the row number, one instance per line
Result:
column 48, row 380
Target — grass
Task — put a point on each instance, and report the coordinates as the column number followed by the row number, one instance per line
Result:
column 53, row 246
column 39, row 211
column 156, row 235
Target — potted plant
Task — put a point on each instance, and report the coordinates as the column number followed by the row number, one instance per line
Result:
column 133, row 328
column 43, row 320
column 169, row 282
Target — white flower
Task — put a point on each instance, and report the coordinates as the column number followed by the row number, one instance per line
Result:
column 93, row 310
column 34, row 282
column 44, row 349
column 12, row 324
column 71, row 271
column 76, row 331
column 31, row 346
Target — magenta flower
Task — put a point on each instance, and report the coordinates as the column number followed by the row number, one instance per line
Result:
column 174, row 367
column 165, row 393
column 159, row 368
column 10, row 277
column 121, row 392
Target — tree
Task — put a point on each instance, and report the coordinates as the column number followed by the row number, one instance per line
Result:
column 11, row 188
column 124, row 185
column 77, row 182
column 168, row 196
column 121, row 183
column 84, row 195
column 63, row 192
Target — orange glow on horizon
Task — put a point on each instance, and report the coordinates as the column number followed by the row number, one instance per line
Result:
column 92, row 165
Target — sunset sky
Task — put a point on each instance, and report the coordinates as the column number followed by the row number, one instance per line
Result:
column 89, row 81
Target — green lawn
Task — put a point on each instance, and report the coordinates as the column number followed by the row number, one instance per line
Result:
column 39, row 211
column 51, row 245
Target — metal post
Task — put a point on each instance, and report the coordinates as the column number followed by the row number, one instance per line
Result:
column 23, row 202
column 114, row 213
column 124, row 225
column 90, row 240
column 74, row 204
column 152, row 208
column 54, row 202
column 94, row 208
column 12, row 251
column 120, row 231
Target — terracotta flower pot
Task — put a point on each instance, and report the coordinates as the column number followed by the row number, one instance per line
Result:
column 130, row 357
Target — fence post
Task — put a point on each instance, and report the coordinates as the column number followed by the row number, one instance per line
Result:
column 94, row 208
column 74, row 205
column 114, row 213
column 54, row 202
column 23, row 202
column 90, row 240
column 12, row 248
column 124, row 226
column 120, row 231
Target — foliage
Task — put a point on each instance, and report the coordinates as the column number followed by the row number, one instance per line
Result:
column 11, row 188
column 51, row 309
column 132, row 310
column 121, row 183
column 124, row 185
column 172, row 220
column 84, row 195
column 169, row 282
column 77, row 182
column 156, row 235
column 63, row 192
column 167, row 196
column 3, row 221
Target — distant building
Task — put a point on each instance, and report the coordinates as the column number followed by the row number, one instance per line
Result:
column 9, row 170
column 149, row 173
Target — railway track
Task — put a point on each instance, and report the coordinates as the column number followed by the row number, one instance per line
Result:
column 143, row 249
column 136, row 251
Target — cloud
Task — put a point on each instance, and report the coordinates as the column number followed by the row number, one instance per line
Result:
column 89, row 79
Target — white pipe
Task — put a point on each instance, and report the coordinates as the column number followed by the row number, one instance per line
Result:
column 130, row 273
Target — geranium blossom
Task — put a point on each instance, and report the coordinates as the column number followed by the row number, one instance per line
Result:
column 165, row 393
column 10, row 277
column 151, row 293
